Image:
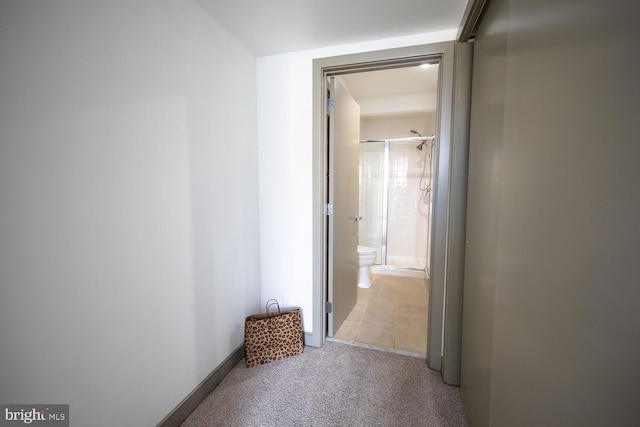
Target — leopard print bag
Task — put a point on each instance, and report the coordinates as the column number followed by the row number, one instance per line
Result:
column 272, row 335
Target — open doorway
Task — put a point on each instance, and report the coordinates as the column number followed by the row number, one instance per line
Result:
column 397, row 121
column 449, row 194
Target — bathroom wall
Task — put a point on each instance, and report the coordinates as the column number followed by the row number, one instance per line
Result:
column 285, row 127
column 397, row 125
column 408, row 209
column 129, row 214
column 406, row 103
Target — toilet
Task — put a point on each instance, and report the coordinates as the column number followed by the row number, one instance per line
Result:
column 366, row 257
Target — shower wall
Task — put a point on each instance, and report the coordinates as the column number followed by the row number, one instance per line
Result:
column 408, row 207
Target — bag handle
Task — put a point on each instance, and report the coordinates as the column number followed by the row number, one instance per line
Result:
column 271, row 303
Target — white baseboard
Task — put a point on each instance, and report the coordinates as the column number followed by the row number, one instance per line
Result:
column 395, row 271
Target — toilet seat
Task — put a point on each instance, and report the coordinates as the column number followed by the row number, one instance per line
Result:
column 366, row 250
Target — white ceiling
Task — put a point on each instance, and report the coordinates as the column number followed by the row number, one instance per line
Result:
column 392, row 83
column 268, row 27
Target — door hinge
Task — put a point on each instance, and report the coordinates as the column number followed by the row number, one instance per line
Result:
column 328, row 307
column 329, row 104
column 328, row 209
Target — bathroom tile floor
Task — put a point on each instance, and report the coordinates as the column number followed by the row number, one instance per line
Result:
column 392, row 313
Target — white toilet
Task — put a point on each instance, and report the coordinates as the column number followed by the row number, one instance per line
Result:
column 366, row 257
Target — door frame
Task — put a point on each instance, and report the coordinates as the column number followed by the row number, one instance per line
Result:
column 447, row 239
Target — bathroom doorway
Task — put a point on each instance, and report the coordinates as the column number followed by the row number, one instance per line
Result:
column 448, row 195
column 397, row 121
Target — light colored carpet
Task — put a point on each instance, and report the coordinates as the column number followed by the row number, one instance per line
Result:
column 335, row 385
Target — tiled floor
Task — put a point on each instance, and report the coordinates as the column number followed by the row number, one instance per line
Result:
column 392, row 313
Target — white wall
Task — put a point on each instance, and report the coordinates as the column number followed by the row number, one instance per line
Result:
column 129, row 214
column 285, row 121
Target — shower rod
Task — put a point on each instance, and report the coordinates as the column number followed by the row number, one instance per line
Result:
column 406, row 139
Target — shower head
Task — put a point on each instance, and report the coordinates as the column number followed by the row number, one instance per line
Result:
column 415, row 132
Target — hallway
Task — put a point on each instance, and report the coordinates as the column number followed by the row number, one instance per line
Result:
column 333, row 385
column 392, row 313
